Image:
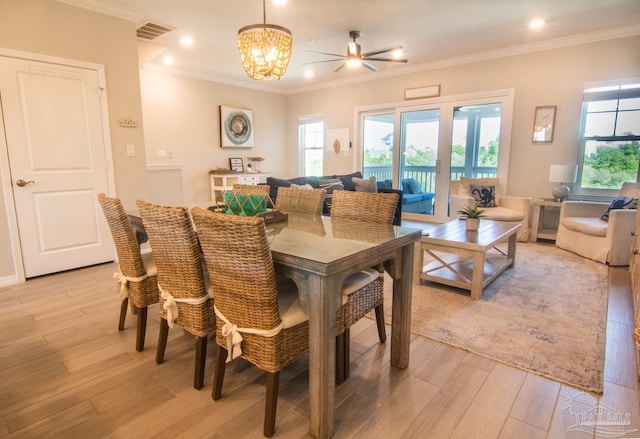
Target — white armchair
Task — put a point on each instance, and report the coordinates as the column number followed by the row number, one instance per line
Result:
column 508, row 208
column 581, row 229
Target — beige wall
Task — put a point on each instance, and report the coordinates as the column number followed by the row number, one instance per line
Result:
column 55, row 29
column 553, row 77
column 181, row 115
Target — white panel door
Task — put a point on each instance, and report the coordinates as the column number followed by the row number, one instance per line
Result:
column 56, row 148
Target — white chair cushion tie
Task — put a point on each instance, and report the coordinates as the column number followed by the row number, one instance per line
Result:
column 171, row 304
column 124, row 283
column 234, row 337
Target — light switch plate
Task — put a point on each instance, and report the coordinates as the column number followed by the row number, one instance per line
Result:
column 131, row 150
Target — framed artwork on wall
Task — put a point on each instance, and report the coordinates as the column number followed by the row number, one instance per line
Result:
column 236, row 127
column 236, row 165
column 544, row 123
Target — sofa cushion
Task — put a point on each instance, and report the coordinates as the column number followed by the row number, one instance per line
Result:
column 620, row 203
column 415, row 198
column 502, row 214
column 588, row 225
column 485, row 196
column 362, row 185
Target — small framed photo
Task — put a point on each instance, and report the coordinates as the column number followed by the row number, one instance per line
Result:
column 236, row 127
column 544, row 122
column 236, row 165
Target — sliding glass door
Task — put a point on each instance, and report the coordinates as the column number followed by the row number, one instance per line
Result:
column 420, row 149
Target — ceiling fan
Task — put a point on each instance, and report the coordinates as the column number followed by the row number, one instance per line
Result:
column 355, row 57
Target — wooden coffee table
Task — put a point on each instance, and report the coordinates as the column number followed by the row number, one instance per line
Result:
column 462, row 259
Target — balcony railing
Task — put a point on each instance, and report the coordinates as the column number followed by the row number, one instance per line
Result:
column 426, row 175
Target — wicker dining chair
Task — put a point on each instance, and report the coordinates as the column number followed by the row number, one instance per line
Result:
column 257, row 189
column 136, row 276
column 184, row 297
column 374, row 208
column 291, row 199
column 257, row 319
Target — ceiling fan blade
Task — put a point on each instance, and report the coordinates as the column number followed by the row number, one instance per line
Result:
column 380, row 51
column 326, row 53
column 369, row 66
column 368, row 58
column 340, row 68
column 319, row 62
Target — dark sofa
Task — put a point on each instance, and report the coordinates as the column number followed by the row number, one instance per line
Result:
column 345, row 183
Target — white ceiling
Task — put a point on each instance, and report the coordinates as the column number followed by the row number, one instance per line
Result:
column 433, row 32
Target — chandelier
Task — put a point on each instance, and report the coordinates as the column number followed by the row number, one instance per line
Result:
column 265, row 49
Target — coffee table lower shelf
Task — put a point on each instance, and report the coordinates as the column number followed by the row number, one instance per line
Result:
column 459, row 272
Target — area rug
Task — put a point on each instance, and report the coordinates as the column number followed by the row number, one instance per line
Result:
column 547, row 315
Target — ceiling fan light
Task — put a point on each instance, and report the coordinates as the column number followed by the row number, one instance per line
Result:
column 354, row 62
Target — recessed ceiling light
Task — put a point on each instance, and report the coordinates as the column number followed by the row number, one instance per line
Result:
column 279, row 2
column 536, row 24
column 168, row 60
column 186, row 41
column 308, row 73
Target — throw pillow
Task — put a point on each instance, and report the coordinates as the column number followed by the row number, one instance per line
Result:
column 347, row 180
column 362, row 185
column 620, row 203
column 485, row 196
column 412, row 186
column 464, row 190
column 330, row 184
column 302, row 186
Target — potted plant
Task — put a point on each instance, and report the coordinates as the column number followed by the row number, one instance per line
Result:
column 472, row 216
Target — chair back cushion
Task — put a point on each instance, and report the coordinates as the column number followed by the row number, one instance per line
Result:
column 631, row 190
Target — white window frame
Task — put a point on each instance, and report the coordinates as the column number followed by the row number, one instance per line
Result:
column 591, row 193
column 303, row 121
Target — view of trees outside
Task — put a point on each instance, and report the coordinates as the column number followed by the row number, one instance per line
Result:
column 422, row 143
column 609, row 164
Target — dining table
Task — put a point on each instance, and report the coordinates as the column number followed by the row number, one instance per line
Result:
column 318, row 253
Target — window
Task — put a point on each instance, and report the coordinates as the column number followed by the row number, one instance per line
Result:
column 311, row 143
column 609, row 152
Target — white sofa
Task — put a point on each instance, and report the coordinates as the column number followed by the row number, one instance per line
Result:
column 509, row 208
column 581, row 229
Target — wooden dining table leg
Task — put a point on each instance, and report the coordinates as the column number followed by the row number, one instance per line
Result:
column 401, row 270
column 323, row 297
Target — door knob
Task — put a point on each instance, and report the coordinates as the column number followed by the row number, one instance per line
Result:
column 635, row 251
column 21, row 182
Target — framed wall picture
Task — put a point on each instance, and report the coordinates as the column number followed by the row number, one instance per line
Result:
column 544, row 123
column 236, row 127
column 236, row 165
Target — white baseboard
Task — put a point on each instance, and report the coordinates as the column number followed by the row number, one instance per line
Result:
column 7, row 281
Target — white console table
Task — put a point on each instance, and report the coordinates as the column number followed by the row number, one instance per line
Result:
column 221, row 182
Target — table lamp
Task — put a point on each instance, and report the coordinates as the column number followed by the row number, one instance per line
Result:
column 562, row 174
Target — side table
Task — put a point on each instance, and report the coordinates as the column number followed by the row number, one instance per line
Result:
column 543, row 226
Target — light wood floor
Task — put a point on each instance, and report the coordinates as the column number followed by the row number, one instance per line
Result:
column 66, row 371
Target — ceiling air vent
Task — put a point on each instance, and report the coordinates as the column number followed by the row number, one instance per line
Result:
column 150, row 31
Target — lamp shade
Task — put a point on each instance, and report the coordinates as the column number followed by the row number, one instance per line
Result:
column 563, row 173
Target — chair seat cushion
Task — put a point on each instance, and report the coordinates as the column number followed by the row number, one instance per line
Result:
column 414, row 198
column 502, row 214
column 587, row 225
column 149, row 263
column 291, row 312
column 358, row 280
